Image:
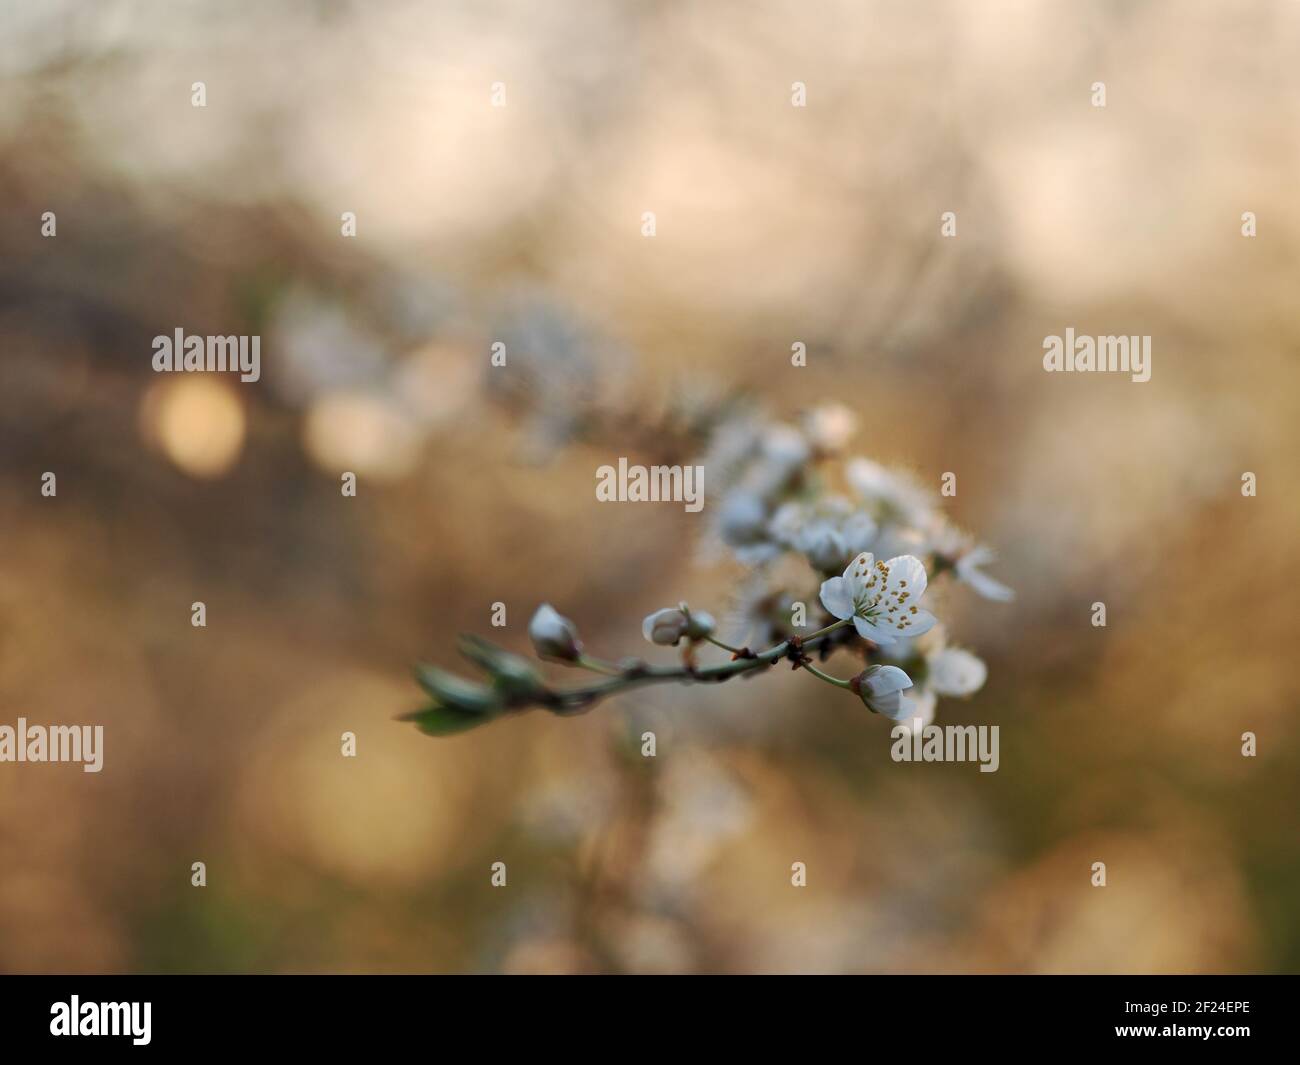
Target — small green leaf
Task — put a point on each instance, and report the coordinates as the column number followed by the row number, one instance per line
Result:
column 456, row 692
column 438, row 720
column 511, row 674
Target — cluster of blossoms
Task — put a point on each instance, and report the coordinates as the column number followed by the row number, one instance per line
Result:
column 839, row 555
column 793, row 502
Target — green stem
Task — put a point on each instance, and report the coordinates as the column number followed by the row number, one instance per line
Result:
column 825, row 676
column 724, row 646
column 829, row 628
column 598, row 665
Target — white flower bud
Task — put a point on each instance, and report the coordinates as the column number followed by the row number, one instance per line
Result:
column 553, row 635
column 665, row 627
column 955, row 672
column 743, row 518
column 881, row 688
column 830, row 427
column 702, row 625
column 823, row 546
column 785, row 447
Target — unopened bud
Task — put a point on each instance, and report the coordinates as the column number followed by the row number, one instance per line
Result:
column 881, row 688
column 666, row 627
column 553, row 635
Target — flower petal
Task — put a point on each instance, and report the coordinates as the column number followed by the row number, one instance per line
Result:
column 920, row 622
column 907, row 572
column 868, row 478
column 968, row 572
column 987, row 586
column 837, row 597
column 860, row 566
column 858, row 531
column 875, row 633
column 956, row 672
column 890, row 705
column 823, row 546
column 885, row 679
column 918, row 706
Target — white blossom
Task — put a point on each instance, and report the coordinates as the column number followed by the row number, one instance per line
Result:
column 743, row 526
column 827, row 532
column 951, row 672
column 881, row 597
column 894, row 493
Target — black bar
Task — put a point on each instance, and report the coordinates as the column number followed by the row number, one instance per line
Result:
column 365, row 1013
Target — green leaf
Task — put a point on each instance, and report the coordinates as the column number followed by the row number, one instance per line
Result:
column 457, row 693
column 440, row 720
column 510, row 673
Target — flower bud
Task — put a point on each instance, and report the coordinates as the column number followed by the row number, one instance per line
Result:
column 785, row 447
column 701, row 625
column 824, row 547
column 829, row 427
column 742, row 518
column 665, row 627
column 881, row 688
column 553, row 635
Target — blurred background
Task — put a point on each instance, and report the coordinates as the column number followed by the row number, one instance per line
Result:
column 522, row 224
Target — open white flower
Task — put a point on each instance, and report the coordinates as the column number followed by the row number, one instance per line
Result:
column 881, row 597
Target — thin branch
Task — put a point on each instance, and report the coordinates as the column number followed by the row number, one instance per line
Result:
column 573, row 699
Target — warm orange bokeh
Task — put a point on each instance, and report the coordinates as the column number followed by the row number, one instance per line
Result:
column 522, row 224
